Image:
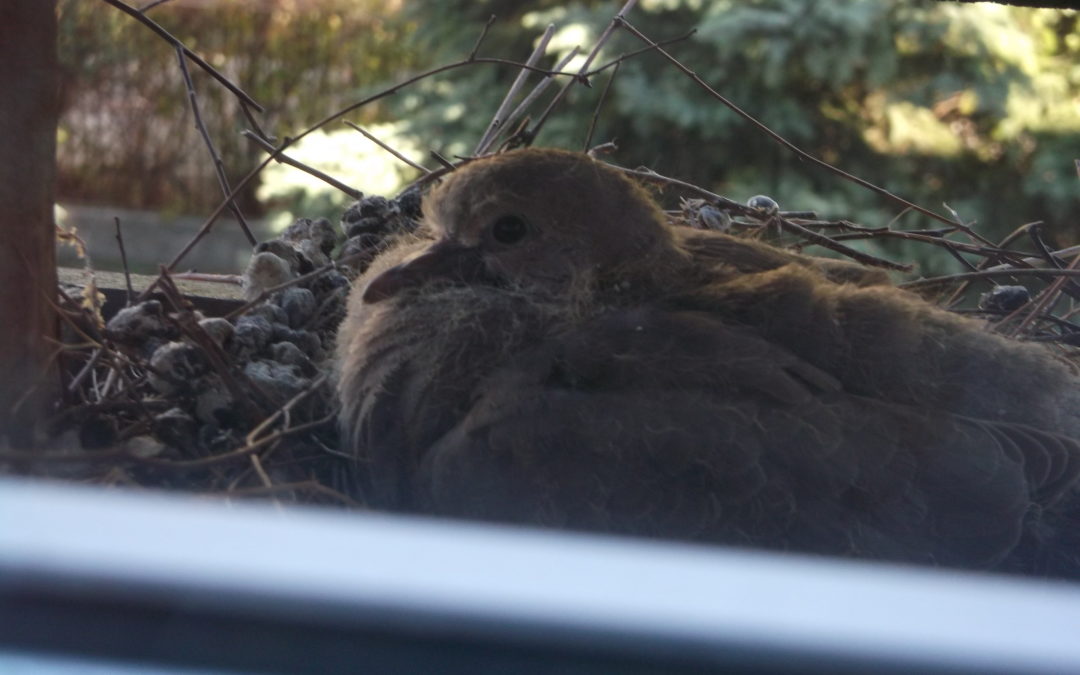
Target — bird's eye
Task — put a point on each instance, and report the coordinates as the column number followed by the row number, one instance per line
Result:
column 509, row 229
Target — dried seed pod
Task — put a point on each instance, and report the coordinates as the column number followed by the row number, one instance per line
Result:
column 265, row 270
column 380, row 216
column 318, row 235
column 764, row 205
column 269, row 311
column 251, row 335
column 350, row 215
column 376, row 206
column 327, row 283
column 371, row 214
column 1004, row 298
column 283, row 250
column 133, row 326
column 409, row 204
column 289, row 354
column 711, row 218
column 214, row 404
column 367, row 226
column 144, row 446
column 299, row 305
column 218, row 328
column 307, row 341
column 175, row 367
column 366, row 247
column 280, row 381
column 176, row 428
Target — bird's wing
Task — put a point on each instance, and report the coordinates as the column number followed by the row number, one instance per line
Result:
column 675, row 425
column 748, row 256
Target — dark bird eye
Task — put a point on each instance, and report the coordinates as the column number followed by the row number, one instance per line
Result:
column 509, row 229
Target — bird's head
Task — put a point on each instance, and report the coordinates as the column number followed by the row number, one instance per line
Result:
column 544, row 220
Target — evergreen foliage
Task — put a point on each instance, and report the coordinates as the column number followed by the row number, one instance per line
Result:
column 976, row 106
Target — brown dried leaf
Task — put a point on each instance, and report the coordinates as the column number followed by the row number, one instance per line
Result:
column 70, row 238
column 92, row 301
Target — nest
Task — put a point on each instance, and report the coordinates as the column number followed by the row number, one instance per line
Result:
column 243, row 404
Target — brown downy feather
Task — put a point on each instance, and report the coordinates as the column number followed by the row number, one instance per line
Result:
column 555, row 354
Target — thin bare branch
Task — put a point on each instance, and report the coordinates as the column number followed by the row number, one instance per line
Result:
column 777, row 137
column 198, row 60
column 1049, row 296
column 352, row 192
column 536, row 92
column 992, row 274
column 833, row 245
column 447, row 164
column 219, row 166
column 124, row 261
column 480, row 40
column 616, row 21
column 599, row 105
column 498, row 119
column 386, row 147
column 647, row 48
column 151, row 5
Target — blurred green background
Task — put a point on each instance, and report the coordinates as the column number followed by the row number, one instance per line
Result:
column 974, row 105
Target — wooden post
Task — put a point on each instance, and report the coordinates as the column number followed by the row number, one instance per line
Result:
column 29, row 101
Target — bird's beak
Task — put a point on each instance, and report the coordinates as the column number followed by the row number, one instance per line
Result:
column 444, row 259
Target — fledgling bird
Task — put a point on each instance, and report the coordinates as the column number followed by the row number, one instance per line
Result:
column 551, row 352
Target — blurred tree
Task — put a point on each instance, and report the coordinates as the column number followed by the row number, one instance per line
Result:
column 28, row 76
column 126, row 135
column 973, row 105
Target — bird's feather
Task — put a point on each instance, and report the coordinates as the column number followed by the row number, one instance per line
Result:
column 609, row 373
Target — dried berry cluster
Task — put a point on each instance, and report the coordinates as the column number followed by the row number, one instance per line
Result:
column 200, row 401
column 373, row 222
